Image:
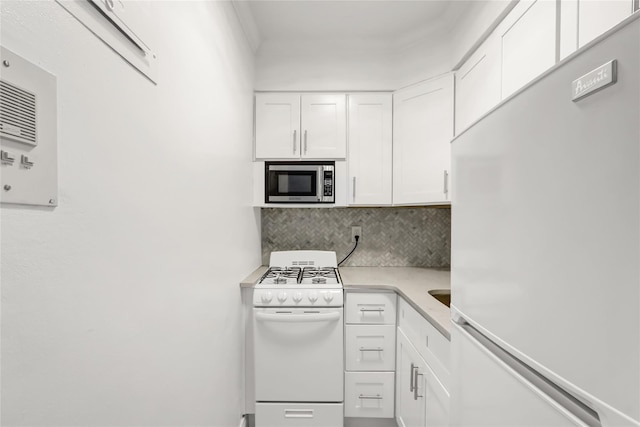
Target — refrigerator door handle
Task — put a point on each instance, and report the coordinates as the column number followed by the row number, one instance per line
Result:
column 583, row 414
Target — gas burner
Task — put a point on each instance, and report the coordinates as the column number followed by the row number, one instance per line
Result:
column 319, row 275
column 281, row 276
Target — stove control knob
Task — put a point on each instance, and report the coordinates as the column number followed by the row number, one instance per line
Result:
column 282, row 297
column 266, row 297
column 328, row 297
column 313, row 297
column 297, row 297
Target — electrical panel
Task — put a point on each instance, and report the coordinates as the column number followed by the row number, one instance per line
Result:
column 28, row 133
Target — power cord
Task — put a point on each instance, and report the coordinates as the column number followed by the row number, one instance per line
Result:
column 354, row 248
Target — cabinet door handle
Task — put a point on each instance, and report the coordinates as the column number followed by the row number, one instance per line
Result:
column 411, row 377
column 415, row 384
column 305, row 142
column 446, row 182
column 354, row 189
column 295, row 134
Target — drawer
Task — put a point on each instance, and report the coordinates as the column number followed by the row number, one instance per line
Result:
column 430, row 343
column 369, row 394
column 299, row 414
column 371, row 308
column 370, row 347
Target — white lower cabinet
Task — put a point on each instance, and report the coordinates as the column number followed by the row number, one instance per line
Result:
column 410, row 402
column 368, row 308
column 370, row 357
column 436, row 401
column 369, row 394
column 422, row 371
column 370, row 347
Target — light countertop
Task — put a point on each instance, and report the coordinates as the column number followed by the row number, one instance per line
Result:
column 411, row 283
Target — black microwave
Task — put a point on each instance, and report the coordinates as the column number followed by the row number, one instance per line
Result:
column 299, row 182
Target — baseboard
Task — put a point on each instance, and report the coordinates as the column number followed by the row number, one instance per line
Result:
column 370, row 422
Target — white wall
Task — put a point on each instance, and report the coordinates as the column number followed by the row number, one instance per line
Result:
column 300, row 65
column 121, row 306
column 357, row 65
column 348, row 65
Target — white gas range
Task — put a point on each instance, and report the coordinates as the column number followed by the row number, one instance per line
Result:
column 298, row 279
column 298, row 341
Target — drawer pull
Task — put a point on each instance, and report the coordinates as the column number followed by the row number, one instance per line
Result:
column 376, row 397
column 298, row 413
column 371, row 349
column 370, row 310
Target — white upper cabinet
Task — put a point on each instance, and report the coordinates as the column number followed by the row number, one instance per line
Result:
column 597, row 16
column 294, row 126
column 528, row 43
column 531, row 39
column 422, row 132
column 324, row 126
column 277, row 125
column 370, row 149
column 478, row 84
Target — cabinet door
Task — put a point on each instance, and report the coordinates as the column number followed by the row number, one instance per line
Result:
column 370, row 145
column 423, row 128
column 436, row 401
column 277, row 126
column 528, row 45
column 324, row 126
column 596, row 17
column 478, row 83
column 410, row 403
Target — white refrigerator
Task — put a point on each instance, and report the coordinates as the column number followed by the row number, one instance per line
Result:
column 546, row 251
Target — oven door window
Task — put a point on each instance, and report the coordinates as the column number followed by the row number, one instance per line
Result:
column 293, row 183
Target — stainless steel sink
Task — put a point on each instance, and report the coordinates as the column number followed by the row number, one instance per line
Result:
column 442, row 295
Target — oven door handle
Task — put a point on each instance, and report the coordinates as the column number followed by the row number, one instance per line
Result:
column 295, row 318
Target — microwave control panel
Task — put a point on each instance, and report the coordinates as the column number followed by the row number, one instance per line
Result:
column 328, row 183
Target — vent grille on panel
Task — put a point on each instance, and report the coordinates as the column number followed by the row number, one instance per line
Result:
column 308, row 263
column 17, row 114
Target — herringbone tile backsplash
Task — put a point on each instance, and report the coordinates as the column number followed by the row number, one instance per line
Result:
column 417, row 237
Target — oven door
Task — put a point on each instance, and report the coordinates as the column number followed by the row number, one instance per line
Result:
column 298, row 354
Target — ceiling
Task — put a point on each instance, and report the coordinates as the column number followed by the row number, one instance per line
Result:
column 388, row 20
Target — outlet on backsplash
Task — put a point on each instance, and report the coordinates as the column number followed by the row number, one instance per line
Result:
column 356, row 230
